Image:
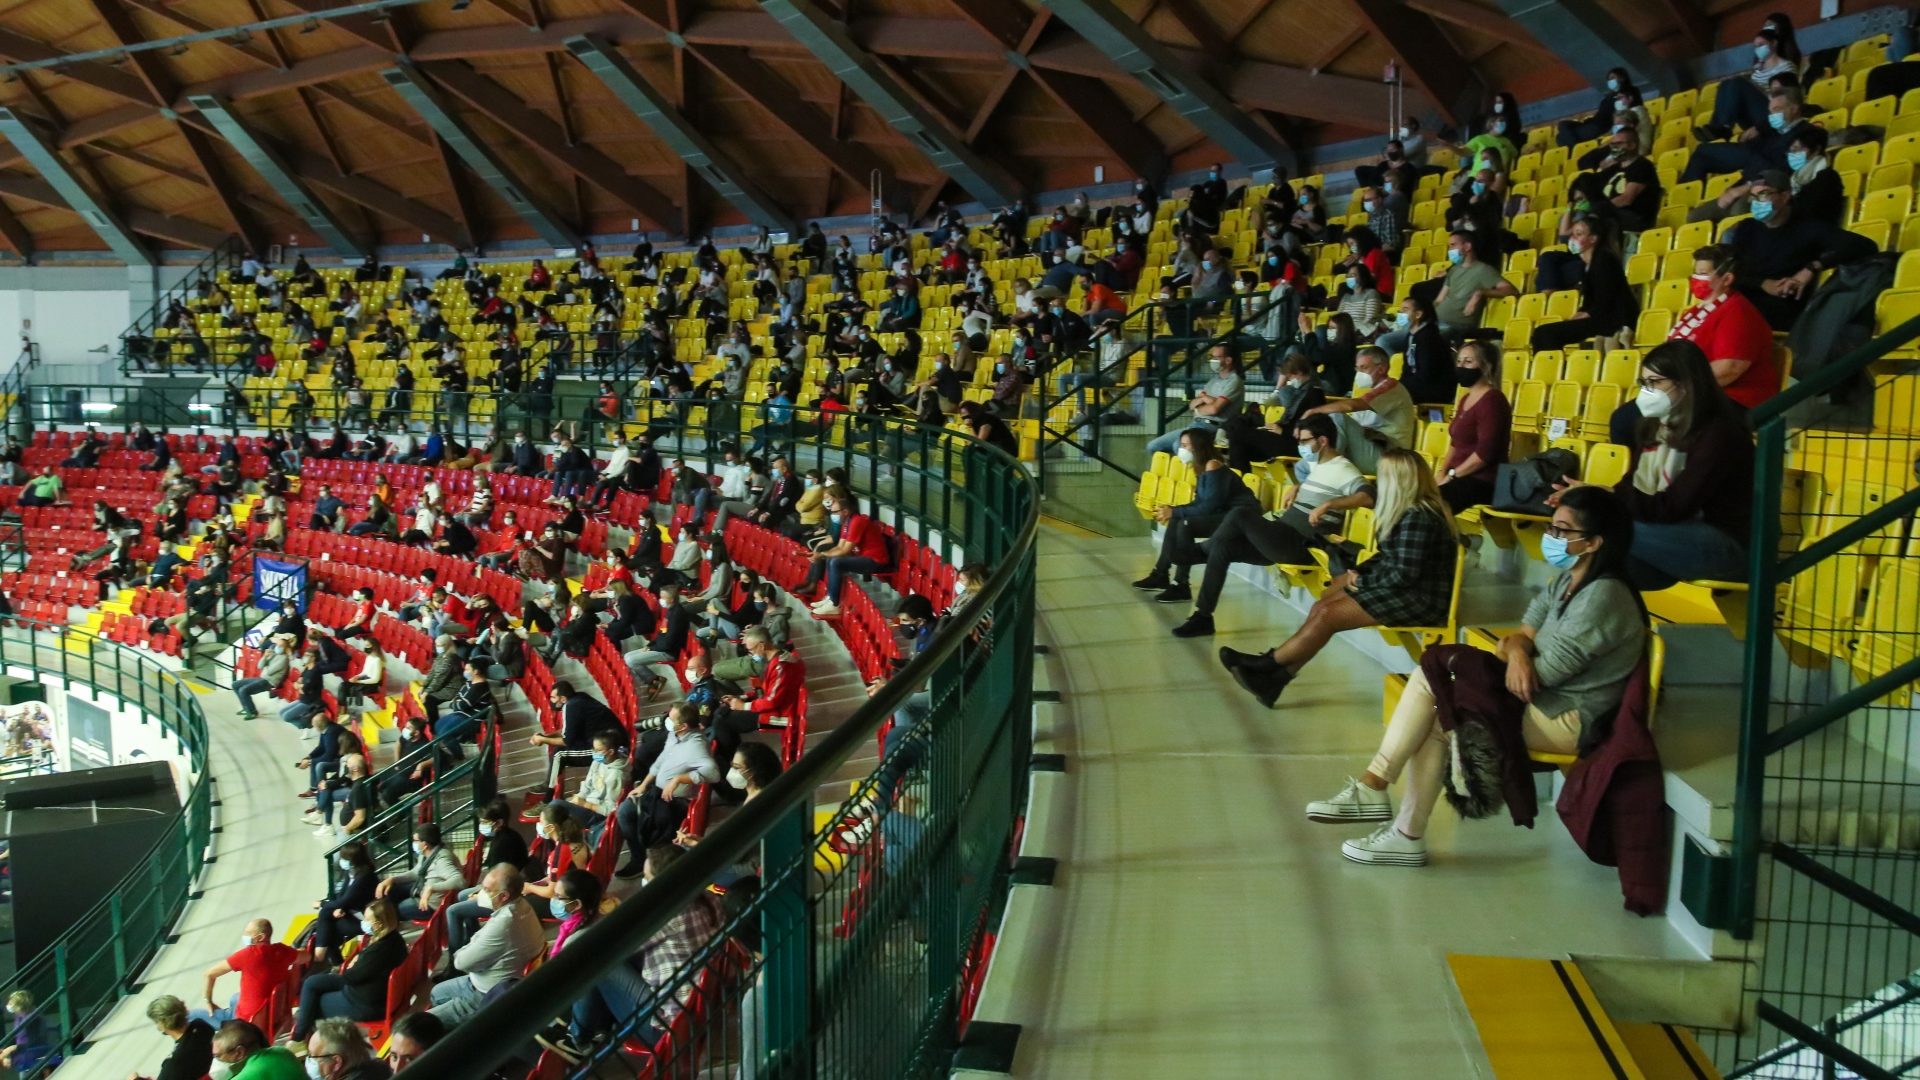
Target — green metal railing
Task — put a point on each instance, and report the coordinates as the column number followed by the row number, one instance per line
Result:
column 138, row 336
column 849, row 959
column 1824, row 876
column 84, row 972
column 453, row 798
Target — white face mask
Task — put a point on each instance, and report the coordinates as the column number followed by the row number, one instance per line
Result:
column 220, row 1070
column 484, row 899
column 486, row 828
column 1185, row 455
column 246, row 941
column 1362, row 381
column 313, row 1068
column 736, row 779
column 1653, row 404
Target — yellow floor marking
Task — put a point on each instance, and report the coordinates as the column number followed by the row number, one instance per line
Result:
column 1531, row 1020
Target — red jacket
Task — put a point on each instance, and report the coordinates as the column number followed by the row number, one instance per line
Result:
column 1614, row 803
column 780, row 686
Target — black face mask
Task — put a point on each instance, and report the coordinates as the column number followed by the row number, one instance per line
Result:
column 1467, row 376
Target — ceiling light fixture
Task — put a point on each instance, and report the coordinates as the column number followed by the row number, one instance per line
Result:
column 310, row 25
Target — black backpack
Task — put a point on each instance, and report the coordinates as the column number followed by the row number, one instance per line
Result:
column 1523, row 488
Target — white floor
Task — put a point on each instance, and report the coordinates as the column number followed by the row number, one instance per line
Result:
column 1199, row 925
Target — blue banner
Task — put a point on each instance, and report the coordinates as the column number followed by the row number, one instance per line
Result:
column 276, row 581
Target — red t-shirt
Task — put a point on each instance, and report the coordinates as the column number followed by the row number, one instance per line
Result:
column 864, row 534
column 261, row 968
column 1382, row 267
column 1733, row 329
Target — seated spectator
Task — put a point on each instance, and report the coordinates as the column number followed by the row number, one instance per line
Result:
column 1213, row 404
column 1426, row 365
column 576, row 903
column 1690, row 489
column 1816, row 188
column 1311, row 512
column 1741, row 100
column 348, row 789
column 652, row 812
column 1407, row 582
column 31, row 1044
column 642, row 982
column 1574, row 132
column 339, row 914
column 581, row 717
column 1380, row 418
column 42, row 490
column 243, row 1050
column 1468, row 285
column 1365, row 248
column 338, row 1050
column 358, row 991
column 776, row 691
column 370, row 679
column 1249, row 440
column 1362, row 302
column 1331, row 350
column 192, row 1038
column 1556, row 269
column 861, row 549
column 1567, row 665
column 1728, row 329
column 567, row 849
column 497, row 953
column 435, row 876
column 504, row 847
column 413, row 1035
column 606, row 781
column 1607, row 303
column 1481, row 428
column 1779, row 253
column 651, row 666
column 1217, row 491
column 263, row 964
column 1758, row 147
column 1630, row 182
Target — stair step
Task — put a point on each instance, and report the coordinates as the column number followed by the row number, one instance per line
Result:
column 1541, row 1017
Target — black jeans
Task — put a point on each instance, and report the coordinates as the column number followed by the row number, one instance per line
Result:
column 1177, row 548
column 1248, row 536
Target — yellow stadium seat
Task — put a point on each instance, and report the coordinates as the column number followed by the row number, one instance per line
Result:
column 1900, row 148
column 1907, row 276
column 1583, row 366
column 1727, row 224
column 1528, row 403
column 1876, row 113
column 1643, row 268
column 1830, row 93
column 1894, row 174
column 1655, row 242
column 1620, row 368
column 1545, row 366
column 1653, row 328
column 1693, row 236
column 1670, row 295
column 1677, row 265
column 1606, row 464
column 1562, row 305
column 1896, row 306
column 1888, row 206
column 1596, row 410
column 1879, row 231
column 1860, row 159
column 1896, row 405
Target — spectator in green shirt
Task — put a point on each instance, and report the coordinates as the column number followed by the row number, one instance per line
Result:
column 42, row 490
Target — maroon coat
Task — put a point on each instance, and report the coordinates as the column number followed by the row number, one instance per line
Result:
column 1614, row 803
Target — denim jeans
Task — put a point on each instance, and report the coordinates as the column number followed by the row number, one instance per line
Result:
column 1166, row 442
column 244, row 691
column 463, row 919
column 299, row 714
column 836, row 569
column 1671, row 552
column 619, row 995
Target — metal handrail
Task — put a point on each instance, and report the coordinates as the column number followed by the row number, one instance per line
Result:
column 107, row 946
column 226, row 256
column 771, row 829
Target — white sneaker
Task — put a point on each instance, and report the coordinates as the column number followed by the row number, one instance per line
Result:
column 826, row 609
column 1356, row 802
column 324, row 830
column 1386, row 846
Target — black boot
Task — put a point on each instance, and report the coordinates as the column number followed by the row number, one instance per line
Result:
column 1232, row 659
column 1199, row 624
column 1153, row 582
column 1265, row 685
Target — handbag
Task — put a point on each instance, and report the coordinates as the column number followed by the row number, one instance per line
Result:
column 1523, row 487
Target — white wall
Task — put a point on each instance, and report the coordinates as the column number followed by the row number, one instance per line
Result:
column 72, row 311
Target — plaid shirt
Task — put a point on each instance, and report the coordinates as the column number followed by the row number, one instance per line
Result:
column 669, row 951
column 1409, row 580
column 1384, row 226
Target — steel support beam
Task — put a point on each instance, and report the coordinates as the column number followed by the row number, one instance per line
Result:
column 287, row 180
column 493, row 170
column 1590, row 41
column 707, row 160
column 833, row 46
column 100, row 217
column 1206, row 106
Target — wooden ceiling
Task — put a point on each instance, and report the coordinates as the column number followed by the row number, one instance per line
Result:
column 1309, row 67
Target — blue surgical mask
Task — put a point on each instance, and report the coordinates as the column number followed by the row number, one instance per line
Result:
column 1454, row 256
column 558, row 907
column 1401, row 321
column 1761, row 52
column 1777, row 121
column 1796, row 160
column 1554, row 550
column 1761, row 210
column 1308, row 454
column 1353, row 283
column 1479, row 187
column 599, row 757
column 1367, row 204
column 1613, row 85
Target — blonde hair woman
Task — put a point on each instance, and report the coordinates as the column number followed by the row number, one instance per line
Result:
column 1408, row 581
column 358, row 991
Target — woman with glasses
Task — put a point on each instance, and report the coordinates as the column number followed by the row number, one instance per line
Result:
column 1569, row 663
column 1690, row 489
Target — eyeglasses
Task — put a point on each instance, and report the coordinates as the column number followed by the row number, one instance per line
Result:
column 1561, row 532
column 1653, row 382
